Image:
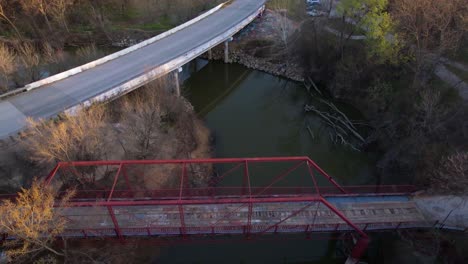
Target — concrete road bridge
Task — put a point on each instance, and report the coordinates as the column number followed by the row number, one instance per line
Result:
column 119, row 73
column 246, row 196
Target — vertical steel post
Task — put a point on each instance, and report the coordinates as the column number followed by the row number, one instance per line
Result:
column 311, row 172
column 181, row 207
column 244, row 179
column 249, row 217
column 183, row 231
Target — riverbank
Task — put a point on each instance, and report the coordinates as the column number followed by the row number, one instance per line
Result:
column 259, row 47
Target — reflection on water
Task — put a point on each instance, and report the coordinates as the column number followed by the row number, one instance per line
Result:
column 253, row 114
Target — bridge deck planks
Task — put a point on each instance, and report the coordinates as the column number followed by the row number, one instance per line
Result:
column 382, row 215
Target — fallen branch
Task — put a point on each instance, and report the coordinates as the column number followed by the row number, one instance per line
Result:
column 328, row 117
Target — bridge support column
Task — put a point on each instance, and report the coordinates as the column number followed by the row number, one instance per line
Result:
column 177, row 81
column 226, row 50
column 210, row 54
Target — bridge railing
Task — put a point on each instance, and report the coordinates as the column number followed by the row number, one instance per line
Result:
column 237, row 192
column 219, row 177
column 232, row 177
column 306, row 229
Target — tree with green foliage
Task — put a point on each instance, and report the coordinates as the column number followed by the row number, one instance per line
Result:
column 372, row 16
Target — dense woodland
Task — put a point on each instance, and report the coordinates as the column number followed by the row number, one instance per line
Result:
column 418, row 121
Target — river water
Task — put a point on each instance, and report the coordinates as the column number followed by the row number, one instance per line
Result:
column 254, row 114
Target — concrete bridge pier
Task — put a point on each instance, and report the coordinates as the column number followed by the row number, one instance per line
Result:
column 226, row 49
column 210, row 54
column 177, row 81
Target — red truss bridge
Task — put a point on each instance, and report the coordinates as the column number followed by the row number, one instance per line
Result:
column 246, row 196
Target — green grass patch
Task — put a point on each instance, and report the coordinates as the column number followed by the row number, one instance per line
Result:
column 117, row 14
column 81, row 28
column 154, row 26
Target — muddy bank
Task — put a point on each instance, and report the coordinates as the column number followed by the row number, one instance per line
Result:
column 289, row 70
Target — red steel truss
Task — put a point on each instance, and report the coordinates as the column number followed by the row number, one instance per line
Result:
column 118, row 190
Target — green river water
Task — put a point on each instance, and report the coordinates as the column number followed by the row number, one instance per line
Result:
column 254, row 114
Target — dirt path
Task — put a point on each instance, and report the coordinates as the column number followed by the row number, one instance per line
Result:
column 450, row 211
column 455, row 64
column 452, row 79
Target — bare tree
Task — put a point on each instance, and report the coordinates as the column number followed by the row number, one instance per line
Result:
column 87, row 53
column 59, row 9
column 32, row 221
column 430, row 28
column 7, row 63
column 141, row 121
column 30, row 59
column 281, row 8
column 41, row 7
column 452, row 174
column 80, row 137
column 4, row 16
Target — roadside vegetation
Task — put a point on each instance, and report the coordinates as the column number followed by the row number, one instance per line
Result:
column 35, row 35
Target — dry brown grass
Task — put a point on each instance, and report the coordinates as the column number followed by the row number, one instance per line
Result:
column 87, row 53
column 7, row 64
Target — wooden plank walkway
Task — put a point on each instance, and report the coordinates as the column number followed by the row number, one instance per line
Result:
column 233, row 218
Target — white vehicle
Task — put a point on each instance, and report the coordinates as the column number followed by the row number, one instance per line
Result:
column 312, row 7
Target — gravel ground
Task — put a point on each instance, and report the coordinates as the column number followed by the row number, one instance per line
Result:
column 450, row 211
